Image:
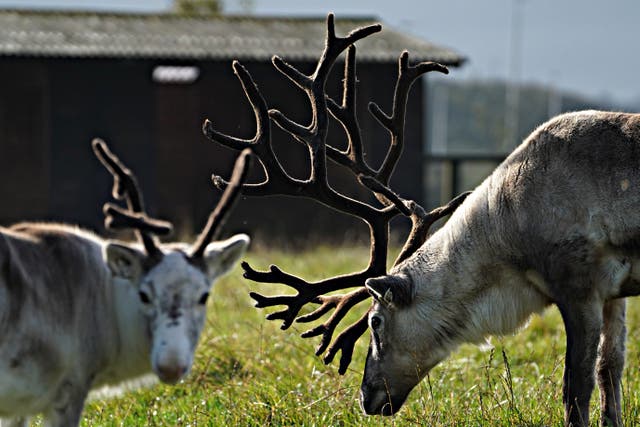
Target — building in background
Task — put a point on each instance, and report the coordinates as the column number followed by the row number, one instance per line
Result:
column 466, row 129
column 145, row 84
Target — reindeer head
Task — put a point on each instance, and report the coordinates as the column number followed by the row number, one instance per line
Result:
column 170, row 283
column 376, row 215
column 400, row 353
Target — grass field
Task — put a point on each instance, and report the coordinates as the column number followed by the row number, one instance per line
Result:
column 249, row 372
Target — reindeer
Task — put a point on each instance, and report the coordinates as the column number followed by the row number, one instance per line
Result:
column 555, row 223
column 79, row 312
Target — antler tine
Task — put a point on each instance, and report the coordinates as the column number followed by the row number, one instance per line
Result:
column 260, row 111
column 277, row 181
column 225, row 204
column 353, row 157
column 342, row 305
column 118, row 218
column 395, row 123
column 345, row 343
column 334, row 45
column 125, row 186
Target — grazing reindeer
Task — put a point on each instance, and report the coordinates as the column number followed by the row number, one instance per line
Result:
column 78, row 312
column 556, row 223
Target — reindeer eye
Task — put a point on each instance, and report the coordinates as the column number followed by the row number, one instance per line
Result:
column 375, row 322
column 144, row 297
column 203, row 298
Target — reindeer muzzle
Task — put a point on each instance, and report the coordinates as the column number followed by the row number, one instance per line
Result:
column 380, row 401
column 171, row 373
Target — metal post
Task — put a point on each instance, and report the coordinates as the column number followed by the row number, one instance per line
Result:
column 512, row 92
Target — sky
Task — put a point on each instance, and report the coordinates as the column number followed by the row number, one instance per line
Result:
column 589, row 47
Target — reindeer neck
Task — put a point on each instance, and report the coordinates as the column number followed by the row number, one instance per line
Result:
column 467, row 267
column 131, row 356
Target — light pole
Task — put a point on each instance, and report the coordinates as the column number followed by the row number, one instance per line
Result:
column 512, row 90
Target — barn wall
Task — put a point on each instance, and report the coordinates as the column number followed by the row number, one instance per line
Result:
column 187, row 159
column 50, row 110
column 156, row 129
column 110, row 99
column 24, row 152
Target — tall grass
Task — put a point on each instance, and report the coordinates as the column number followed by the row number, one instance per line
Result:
column 247, row 372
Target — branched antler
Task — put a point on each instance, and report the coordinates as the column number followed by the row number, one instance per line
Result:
column 125, row 187
column 316, row 186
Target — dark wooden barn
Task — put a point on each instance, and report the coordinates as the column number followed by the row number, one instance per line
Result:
column 145, row 83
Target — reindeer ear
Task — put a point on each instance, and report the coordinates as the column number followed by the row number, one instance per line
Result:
column 396, row 290
column 220, row 257
column 124, row 262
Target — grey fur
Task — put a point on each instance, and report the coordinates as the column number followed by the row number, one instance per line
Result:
column 556, row 223
column 70, row 323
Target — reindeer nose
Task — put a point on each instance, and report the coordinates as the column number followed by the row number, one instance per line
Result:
column 171, row 374
column 377, row 402
column 367, row 403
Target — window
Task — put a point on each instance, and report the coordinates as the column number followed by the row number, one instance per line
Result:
column 175, row 74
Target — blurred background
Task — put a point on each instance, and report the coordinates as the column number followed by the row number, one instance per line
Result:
column 145, row 74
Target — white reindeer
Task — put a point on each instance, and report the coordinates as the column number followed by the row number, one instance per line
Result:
column 78, row 312
column 557, row 223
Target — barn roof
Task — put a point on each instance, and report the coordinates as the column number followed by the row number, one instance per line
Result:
column 167, row 36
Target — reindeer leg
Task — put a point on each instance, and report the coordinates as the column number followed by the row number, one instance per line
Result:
column 611, row 361
column 583, row 322
column 67, row 409
column 14, row 422
column 67, row 416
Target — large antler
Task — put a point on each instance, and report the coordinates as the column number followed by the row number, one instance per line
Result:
column 316, row 186
column 125, row 187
